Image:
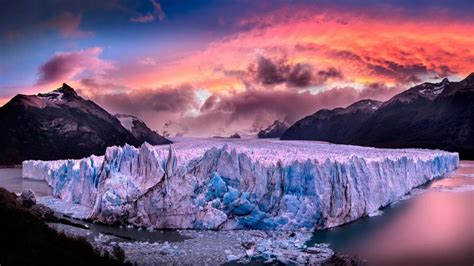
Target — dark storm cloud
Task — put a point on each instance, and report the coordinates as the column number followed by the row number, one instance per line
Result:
column 410, row 73
column 379, row 91
column 329, row 73
column 268, row 71
column 253, row 109
column 179, row 99
column 444, row 71
column 301, row 75
column 401, row 73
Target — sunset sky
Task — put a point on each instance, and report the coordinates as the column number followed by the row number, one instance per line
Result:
column 208, row 68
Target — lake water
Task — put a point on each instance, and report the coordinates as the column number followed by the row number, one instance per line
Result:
column 434, row 225
column 10, row 179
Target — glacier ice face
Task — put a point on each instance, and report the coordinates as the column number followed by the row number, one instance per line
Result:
column 240, row 184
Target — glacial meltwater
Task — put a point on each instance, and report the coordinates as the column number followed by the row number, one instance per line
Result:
column 432, row 225
column 11, row 180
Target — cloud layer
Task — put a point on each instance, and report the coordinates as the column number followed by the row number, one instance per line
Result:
column 233, row 66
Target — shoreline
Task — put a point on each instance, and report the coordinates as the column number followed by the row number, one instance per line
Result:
column 217, row 247
column 208, row 247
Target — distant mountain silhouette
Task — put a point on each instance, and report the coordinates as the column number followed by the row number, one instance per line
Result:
column 140, row 130
column 275, row 130
column 59, row 125
column 430, row 115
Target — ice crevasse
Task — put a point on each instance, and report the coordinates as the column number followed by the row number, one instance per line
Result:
column 240, row 184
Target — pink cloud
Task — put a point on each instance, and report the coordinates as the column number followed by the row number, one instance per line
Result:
column 365, row 48
column 64, row 66
column 147, row 61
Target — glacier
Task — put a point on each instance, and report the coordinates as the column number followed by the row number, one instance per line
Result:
column 225, row 184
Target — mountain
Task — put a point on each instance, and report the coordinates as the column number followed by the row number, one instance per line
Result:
column 337, row 125
column 429, row 115
column 57, row 125
column 140, row 130
column 275, row 130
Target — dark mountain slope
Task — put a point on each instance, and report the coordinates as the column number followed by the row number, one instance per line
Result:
column 275, row 130
column 140, row 130
column 336, row 125
column 445, row 121
column 57, row 125
column 430, row 115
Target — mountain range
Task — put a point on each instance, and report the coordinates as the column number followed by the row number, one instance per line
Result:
column 61, row 124
column 429, row 115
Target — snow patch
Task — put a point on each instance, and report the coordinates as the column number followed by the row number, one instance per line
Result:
column 434, row 91
column 376, row 213
column 126, row 121
column 54, row 96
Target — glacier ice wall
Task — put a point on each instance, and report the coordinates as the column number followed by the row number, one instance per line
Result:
column 241, row 184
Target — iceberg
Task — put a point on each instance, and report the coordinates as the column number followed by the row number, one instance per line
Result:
column 225, row 184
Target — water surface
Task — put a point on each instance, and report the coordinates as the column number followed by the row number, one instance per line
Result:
column 10, row 179
column 432, row 226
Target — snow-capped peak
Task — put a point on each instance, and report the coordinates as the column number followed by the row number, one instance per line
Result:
column 61, row 94
column 434, row 89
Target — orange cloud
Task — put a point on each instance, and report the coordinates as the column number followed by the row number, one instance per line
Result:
column 333, row 57
column 394, row 51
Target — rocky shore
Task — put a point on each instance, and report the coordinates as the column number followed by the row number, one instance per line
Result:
column 219, row 247
column 204, row 247
column 27, row 240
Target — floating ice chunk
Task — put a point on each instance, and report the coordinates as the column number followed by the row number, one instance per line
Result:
column 376, row 213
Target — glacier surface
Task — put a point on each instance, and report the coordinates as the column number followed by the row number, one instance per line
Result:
column 240, row 183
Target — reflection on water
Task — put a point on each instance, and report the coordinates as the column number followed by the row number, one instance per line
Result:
column 10, row 179
column 435, row 226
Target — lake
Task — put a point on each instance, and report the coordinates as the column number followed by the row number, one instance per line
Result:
column 434, row 225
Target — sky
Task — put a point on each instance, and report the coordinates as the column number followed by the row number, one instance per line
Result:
column 212, row 68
